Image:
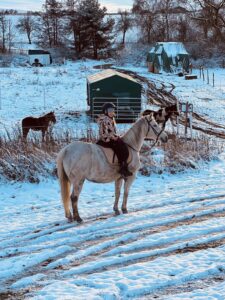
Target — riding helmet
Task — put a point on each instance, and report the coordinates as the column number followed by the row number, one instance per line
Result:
column 106, row 106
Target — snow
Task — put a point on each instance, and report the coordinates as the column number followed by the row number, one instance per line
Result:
column 172, row 49
column 173, row 235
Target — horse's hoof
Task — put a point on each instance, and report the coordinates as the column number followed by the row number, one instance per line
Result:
column 78, row 219
column 125, row 211
column 117, row 212
column 69, row 218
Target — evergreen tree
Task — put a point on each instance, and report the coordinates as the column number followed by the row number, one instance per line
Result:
column 52, row 27
column 95, row 33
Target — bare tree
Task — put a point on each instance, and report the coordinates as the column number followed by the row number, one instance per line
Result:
column 10, row 35
column 166, row 6
column 27, row 24
column 146, row 17
column 124, row 23
column 210, row 14
column 3, row 31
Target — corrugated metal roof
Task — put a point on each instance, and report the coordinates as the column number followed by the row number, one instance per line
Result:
column 107, row 74
column 172, row 49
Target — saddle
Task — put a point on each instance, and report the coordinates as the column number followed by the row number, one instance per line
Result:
column 111, row 155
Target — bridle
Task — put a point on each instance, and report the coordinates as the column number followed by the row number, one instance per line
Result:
column 154, row 130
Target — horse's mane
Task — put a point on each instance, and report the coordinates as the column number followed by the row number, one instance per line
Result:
column 50, row 113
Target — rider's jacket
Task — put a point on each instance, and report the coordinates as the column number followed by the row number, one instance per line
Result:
column 107, row 128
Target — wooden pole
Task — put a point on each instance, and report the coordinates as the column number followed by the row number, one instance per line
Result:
column 213, row 79
column 178, row 123
column 200, row 70
column 207, row 76
column 186, row 120
column 203, row 75
column 190, row 123
column 44, row 99
column 0, row 97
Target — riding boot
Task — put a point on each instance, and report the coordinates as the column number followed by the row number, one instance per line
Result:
column 124, row 170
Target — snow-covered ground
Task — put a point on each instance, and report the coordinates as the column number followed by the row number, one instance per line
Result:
column 206, row 99
column 172, row 243
column 28, row 91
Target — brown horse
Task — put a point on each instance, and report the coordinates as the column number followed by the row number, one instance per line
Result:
column 38, row 124
column 164, row 114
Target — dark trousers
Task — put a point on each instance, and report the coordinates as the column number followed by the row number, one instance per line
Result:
column 119, row 147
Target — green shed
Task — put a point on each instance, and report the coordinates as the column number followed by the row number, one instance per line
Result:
column 168, row 57
column 118, row 88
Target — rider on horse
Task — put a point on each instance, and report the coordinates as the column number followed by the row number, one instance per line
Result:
column 109, row 138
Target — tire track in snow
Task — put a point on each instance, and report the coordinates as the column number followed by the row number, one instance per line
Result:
column 57, row 227
column 106, row 229
column 110, row 243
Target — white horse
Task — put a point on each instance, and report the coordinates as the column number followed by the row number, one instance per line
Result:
column 79, row 161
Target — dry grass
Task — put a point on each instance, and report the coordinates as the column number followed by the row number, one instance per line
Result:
column 179, row 154
column 33, row 160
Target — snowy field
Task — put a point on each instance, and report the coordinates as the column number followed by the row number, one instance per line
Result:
column 171, row 245
column 33, row 92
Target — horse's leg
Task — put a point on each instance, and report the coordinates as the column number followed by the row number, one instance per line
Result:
column 118, row 184
column 25, row 132
column 77, row 186
column 43, row 134
column 127, row 186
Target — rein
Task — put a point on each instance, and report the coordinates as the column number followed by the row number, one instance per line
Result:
column 156, row 133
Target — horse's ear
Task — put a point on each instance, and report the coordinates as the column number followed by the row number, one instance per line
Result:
column 146, row 112
column 150, row 116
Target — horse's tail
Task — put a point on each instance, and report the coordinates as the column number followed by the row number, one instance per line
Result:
column 64, row 184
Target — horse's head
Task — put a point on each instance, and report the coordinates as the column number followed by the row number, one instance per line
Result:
column 163, row 114
column 172, row 110
column 51, row 117
column 154, row 131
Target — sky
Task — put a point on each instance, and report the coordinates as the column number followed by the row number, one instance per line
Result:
column 112, row 5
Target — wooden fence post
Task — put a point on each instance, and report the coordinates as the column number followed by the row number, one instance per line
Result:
column 0, row 96
column 44, row 98
column 186, row 120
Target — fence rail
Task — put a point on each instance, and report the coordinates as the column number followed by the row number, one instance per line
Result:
column 127, row 108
